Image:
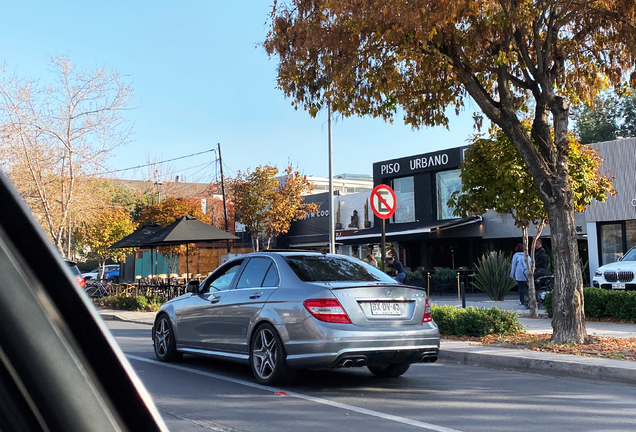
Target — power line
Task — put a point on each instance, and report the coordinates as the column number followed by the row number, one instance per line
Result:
column 160, row 162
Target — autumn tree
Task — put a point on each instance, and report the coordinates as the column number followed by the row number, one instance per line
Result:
column 55, row 137
column 217, row 213
column 108, row 226
column 267, row 205
column 513, row 59
column 494, row 177
column 165, row 213
column 288, row 203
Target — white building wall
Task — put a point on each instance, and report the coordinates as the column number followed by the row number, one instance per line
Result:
column 349, row 203
column 592, row 249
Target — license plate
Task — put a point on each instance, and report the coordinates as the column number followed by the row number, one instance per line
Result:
column 385, row 308
column 618, row 286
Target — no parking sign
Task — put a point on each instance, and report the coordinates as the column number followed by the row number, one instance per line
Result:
column 383, row 201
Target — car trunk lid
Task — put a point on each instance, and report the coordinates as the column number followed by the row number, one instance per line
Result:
column 380, row 304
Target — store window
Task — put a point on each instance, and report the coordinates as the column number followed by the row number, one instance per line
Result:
column 611, row 243
column 447, row 183
column 405, row 197
column 615, row 239
column 630, row 234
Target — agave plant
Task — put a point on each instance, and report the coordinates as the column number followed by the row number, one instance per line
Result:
column 493, row 275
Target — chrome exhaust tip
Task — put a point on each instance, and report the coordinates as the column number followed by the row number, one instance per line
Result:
column 361, row 362
column 347, row 363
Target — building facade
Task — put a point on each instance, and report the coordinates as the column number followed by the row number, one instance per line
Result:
column 611, row 226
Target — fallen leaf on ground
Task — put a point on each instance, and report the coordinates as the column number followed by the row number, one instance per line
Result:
column 594, row 346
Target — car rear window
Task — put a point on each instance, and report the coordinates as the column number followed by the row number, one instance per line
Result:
column 334, row 269
column 74, row 268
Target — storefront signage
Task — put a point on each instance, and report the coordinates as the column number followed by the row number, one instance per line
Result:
column 446, row 159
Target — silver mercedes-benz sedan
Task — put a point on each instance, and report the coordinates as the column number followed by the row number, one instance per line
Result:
column 284, row 311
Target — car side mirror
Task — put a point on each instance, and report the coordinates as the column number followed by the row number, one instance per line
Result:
column 193, row 286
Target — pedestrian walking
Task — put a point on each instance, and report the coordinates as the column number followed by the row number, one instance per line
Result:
column 400, row 273
column 519, row 272
column 372, row 261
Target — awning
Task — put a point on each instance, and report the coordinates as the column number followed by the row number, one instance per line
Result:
column 374, row 234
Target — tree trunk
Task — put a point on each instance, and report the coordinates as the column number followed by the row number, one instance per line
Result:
column 532, row 297
column 568, row 320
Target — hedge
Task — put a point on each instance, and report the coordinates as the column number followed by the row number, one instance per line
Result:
column 473, row 321
column 602, row 303
column 136, row 303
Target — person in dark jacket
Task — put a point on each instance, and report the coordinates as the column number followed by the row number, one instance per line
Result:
column 400, row 273
column 541, row 260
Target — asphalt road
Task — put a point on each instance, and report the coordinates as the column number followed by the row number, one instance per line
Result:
column 200, row 394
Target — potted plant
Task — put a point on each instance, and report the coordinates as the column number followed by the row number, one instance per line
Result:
column 338, row 223
column 367, row 222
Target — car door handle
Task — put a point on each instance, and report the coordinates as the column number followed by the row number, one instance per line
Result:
column 256, row 295
column 215, row 300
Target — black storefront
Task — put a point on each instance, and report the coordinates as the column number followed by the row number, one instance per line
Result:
column 424, row 231
column 312, row 231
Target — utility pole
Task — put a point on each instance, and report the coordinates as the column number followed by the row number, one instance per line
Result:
column 332, row 243
column 223, row 193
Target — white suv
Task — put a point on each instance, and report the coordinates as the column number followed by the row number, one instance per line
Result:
column 618, row 275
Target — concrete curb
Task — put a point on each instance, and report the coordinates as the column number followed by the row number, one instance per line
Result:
column 552, row 364
column 117, row 317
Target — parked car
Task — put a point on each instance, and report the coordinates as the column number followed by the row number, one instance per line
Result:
column 79, row 278
column 282, row 311
column 618, row 275
column 110, row 271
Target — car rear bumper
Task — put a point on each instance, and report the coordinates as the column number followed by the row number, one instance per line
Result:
column 329, row 345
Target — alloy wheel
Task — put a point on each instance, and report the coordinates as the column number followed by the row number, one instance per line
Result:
column 265, row 354
column 162, row 337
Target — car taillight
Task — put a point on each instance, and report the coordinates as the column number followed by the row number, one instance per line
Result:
column 427, row 312
column 327, row 310
column 81, row 281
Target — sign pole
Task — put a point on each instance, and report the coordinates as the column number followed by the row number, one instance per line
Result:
column 332, row 236
column 383, row 244
column 383, row 203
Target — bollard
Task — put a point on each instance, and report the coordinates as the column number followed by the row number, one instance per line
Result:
column 459, row 295
column 463, row 296
column 428, row 285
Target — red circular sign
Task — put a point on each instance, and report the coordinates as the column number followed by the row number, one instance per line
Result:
column 383, row 201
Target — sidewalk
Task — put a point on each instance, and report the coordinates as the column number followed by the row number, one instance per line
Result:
column 473, row 354
column 470, row 353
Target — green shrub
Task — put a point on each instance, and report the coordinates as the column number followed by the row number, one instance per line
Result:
column 137, row 303
column 601, row 303
column 473, row 321
column 444, row 276
column 417, row 274
column 493, row 275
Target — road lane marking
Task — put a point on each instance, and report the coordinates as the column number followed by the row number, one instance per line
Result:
column 372, row 413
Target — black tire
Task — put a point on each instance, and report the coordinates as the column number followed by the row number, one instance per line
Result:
column 389, row 370
column 164, row 341
column 93, row 292
column 267, row 356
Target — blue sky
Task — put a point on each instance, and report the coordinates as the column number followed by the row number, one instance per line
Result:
column 201, row 78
